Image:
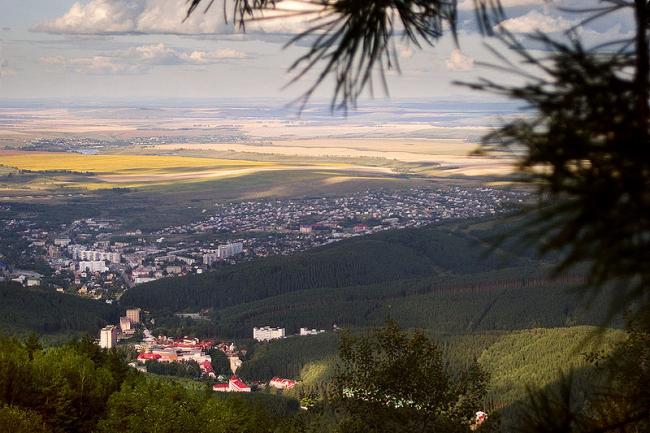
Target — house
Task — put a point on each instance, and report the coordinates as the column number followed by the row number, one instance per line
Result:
column 235, row 384
column 279, row 383
column 206, row 368
column 144, row 357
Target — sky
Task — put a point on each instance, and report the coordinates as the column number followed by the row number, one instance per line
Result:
column 141, row 49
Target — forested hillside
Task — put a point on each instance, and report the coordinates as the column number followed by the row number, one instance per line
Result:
column 24, row 310
column 514, row 360
column 467, row 304
column 439, row 250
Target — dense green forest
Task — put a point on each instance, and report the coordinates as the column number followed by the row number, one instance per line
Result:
column 488, row 303
column 443, row 250
column 513, row 360
column 80, row 388
column 24, row 310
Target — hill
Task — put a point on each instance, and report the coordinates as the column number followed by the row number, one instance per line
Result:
column 25, row 310
column 514, row 360
column 437, row 251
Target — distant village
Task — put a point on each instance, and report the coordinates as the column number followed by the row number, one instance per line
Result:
column 98, row 258
column 161, row 349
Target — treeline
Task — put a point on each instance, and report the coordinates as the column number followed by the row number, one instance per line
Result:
column 388, row 256
column 25, row 310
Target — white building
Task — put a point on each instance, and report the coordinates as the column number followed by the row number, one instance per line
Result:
column 100, row 255
column 133, row 315
column 142, row 280
column 33, row 281
column 93, row 266
column 229, row 250
column 125, row 324
column 63, row 242
column 307, row 331
column 210, row 258
column 108, row 337
column 235, row 384
column 79, row 253
column 267, row 333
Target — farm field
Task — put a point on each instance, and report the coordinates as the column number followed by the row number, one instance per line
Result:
column 136, row 171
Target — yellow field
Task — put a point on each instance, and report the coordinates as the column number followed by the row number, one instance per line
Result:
column 116, row 164
column 135, row 171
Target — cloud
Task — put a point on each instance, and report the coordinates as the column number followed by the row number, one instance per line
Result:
column 459, row 62
column 166, row 17
column 534, row 21
column 141, row 59
column 470, row 4
column 161, row 54
column 102, row 65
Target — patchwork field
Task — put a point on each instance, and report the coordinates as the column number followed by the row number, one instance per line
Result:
column 111, row 171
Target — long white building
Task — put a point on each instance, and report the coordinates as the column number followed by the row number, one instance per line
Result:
column 267, row 333
column 93, row 266
column 78, row 253
column 229, row 250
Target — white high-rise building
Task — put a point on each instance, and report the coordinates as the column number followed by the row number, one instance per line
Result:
column 134, row 315
column 125, row 324
column 108, row 337
column 210, row 258
column 229, row 250
column 267, row 333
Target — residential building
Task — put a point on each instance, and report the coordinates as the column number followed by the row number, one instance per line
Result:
column 307, row 331
column 267, row 333
column 125, row 324
column 133, row 315
column 235, row 384
column 210, row 258
column 229, row 250
column 174, row 269
column 33, row 281
column 108, row 337
column 279, row 383
column 93, row 266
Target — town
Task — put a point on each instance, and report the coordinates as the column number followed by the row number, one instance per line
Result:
column 191, row 354
column 98, row 258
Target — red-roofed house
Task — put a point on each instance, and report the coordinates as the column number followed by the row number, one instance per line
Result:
column 206, row 368
column 144, row 357
column 235, row 384
column 279, row 383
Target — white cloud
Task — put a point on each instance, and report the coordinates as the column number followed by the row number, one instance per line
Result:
column 103, row 65
column 470, row 4
column 166, row 17
column 141, row 59
column 535, row 21
column 459, row 62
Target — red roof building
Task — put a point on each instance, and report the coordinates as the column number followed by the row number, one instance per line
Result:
column 144, row 357
column 235, row 384
column 279, row 383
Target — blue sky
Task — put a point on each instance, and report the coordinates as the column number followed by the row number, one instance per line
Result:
column 142, row 49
